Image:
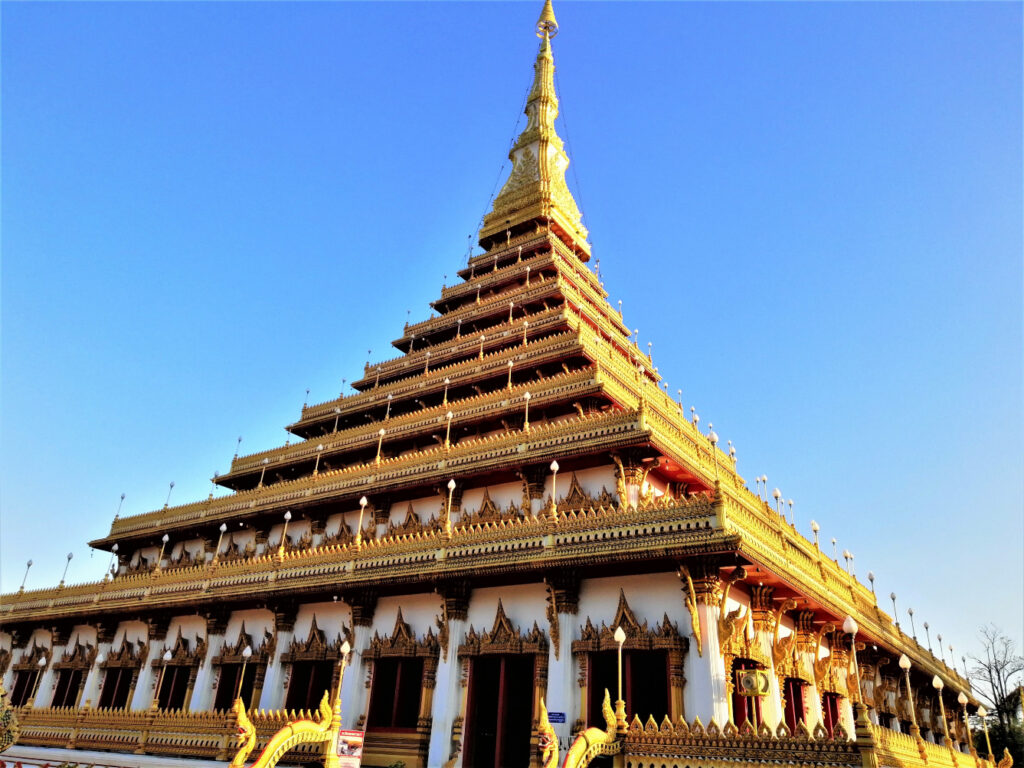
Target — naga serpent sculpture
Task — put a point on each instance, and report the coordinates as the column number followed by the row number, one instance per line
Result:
column 548, row 739
column 321, row 730
column 593, row 741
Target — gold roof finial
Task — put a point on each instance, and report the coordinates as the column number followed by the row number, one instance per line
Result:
column 535, row 190
column 546, row 24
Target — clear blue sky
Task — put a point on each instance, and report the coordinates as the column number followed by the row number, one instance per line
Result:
column 812, row 210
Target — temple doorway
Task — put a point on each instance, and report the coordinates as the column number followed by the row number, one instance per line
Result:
column 499, row 711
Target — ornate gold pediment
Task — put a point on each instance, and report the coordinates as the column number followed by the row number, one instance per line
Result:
column 638, row 636
column 262, row 651
column 577, row 498
column 410, row 525
column 316, row 647
column 504, row 638
column 184, row 652
column 130, row 655
column 402, row 642
column 30, row 657
column 81, row 656
column 489, row 512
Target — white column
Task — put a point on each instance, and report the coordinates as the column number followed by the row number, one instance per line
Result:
column 562, row 691
column 91, row 689
column 145, row 687
column 44, row 692
column 353, row 687
column 447, row 694
column 272, row 695
column 705, row 693
column 202, row 691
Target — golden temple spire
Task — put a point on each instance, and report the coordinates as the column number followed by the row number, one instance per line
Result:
column 535, row 191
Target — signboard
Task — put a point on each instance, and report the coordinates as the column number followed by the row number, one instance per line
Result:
column 556, row 717
column 350, row 748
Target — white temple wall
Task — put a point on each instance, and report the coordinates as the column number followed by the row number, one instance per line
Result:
column 523, row 604
column 650, row 596
column 7, row 644
column 242, row 537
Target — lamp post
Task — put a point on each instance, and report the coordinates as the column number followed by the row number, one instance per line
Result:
column 814, row 529
column 426, row 365
column 554, row 490
column 63, row 575
column 713, row 439
column 792, row 517
column 448, row 511
column 895, row 615
column 246, row 655
column 337, row 411
column 962, row 699
column 509, row 385
column 526, row 324
column 448, row 430
column 220, row 539
column 983, row 714
column 905, row 666
column 447, row 381
column 160, row 683
column 913, row 629
column 871, row 578
column 526, row 418
column 482, row 338
column 380, row 443
column 319, row 452
column 28, row 567
column 284, row 533
column 942, row 654
column 359, row 528
column 113, row 559
column 620, row 704
column 928, row 635
column 850, row 627
column 777, row 495
column 938, row 685
column 387, row 411
column 40, row 666
column 160, row 557
column 263, row 464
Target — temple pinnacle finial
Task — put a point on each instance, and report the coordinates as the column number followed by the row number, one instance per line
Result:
column 546, row 24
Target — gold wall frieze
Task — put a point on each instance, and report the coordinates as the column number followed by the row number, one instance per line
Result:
column 578, row 537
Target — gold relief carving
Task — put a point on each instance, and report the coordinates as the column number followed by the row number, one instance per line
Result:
column 526, row 170
column 731, row 624
column 316, row 646
column 552, row 616
column 783, row 647
column 504, row 638
column 691, row 606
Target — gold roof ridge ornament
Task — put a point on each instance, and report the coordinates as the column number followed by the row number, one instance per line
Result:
column 535, row 189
